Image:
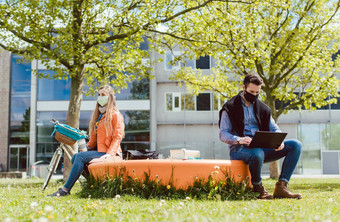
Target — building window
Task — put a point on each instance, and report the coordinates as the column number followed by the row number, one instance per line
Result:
column 203, row 62
column 203, row 102
column 218, row 101
column 186, row 101
column 168, row 99
column 20, row 101
column 335, row 55
column 137, row 131
column 169, row 57
column 53, row 89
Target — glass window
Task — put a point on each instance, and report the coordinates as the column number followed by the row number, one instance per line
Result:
column 20, row 100
column 330, row 137
column 311, row 137
column 203, row 102
column 53, row 89
column 203, row 62
column 168, row 99
column 135, row 90
column 170, row 56
column 144, row 45
column 187, row 101
column 137, row 125
column 336, row 105
column 137, row 131
column 335, row 55
column 176, row 101
column 218, row 101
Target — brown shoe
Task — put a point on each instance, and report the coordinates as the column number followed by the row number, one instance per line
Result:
column 281, row 191
column 263, row 193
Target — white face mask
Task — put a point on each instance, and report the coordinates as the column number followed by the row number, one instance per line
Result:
column 102, row 100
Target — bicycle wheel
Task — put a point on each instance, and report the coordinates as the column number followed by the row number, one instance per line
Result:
column 53, row 166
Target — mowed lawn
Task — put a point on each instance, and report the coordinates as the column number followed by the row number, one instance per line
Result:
column 22, row 200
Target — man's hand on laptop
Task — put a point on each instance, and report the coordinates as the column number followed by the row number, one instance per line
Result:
column 280, row 147
column 244, row 140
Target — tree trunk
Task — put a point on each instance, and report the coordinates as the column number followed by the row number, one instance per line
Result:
column 274, row 169
column 73, row 114
column 273, row 166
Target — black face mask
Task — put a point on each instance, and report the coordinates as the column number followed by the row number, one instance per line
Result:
column 250, row 97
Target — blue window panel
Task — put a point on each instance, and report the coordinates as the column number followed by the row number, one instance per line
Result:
column 52, row 89
column 20, row 100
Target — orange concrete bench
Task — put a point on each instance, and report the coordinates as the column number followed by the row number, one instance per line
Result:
column 183, row 172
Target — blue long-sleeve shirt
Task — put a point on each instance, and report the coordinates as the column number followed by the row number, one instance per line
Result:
column 227, row 135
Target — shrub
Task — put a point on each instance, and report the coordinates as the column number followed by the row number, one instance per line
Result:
column 151, row 189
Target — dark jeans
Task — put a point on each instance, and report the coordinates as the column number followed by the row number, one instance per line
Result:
column 255, row 157
column 79, row 160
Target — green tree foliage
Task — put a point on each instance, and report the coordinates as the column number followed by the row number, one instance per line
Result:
column 288, row 43
column 88, row 41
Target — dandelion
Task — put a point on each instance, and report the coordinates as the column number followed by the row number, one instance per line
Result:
column 162, row 203
column 48, row 209
column 217, row 167
column 168, row 187
column 33, row 205
column 92, row 186
column 117, row 196
column 187, row 198
column 218, row 197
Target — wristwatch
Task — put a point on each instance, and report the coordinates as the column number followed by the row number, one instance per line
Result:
column 238, row 140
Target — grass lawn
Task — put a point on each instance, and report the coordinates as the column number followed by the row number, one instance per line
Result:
column 22, row 200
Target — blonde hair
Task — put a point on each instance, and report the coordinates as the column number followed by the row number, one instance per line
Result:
column 111, row 108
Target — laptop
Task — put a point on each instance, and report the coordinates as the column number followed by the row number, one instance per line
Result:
column 266, row 139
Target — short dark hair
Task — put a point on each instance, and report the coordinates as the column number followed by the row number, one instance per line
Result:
column 252, row 78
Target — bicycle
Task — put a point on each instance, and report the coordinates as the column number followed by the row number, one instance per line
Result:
column 67, row 136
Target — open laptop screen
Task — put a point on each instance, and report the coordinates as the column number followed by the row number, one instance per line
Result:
column 266, row 139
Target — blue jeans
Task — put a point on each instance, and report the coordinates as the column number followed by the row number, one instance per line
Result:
column 79, row 160
column 255, row 157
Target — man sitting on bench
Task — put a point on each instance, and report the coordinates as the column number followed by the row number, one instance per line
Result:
column 240, row 118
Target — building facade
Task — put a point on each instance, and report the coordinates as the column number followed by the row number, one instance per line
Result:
column 159, row 115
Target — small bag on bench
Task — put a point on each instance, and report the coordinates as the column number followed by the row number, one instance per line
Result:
column 139, row 154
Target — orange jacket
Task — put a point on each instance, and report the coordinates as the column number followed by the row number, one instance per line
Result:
column 108, row 144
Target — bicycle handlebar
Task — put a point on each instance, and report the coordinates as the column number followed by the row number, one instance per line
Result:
column 54, row 121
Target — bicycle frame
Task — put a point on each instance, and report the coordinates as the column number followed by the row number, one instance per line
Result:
column 68, row 151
